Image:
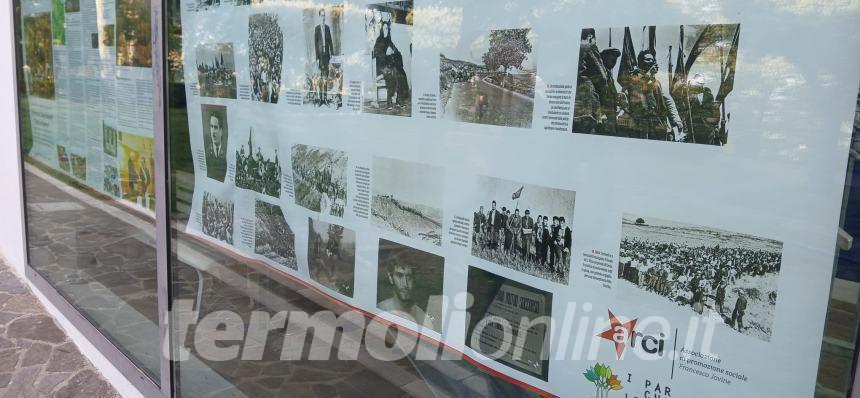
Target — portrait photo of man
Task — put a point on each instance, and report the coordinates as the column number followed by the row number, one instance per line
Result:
column 323, row 77
column 324, row 50
column 410, row 284
column 215, row 140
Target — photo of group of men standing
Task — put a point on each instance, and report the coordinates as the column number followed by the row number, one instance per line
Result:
column 539, row 245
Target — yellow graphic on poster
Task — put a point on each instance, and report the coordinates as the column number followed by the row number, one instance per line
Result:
column 136, row 170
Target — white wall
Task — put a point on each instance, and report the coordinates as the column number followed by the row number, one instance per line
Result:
column 11, row 217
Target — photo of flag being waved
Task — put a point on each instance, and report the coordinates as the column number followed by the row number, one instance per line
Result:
column 625, row 93
column 530, row 233
column 603, row 378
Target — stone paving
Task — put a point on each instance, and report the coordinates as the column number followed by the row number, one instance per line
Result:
column 37, row 359
column 105, row 267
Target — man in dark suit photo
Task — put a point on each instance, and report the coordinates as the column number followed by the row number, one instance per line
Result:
column 324, row 51
column 215, row 142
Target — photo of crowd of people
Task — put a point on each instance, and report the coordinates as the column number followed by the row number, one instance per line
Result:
column 38, row 55
column 389, row 29
column 266, row 55
column 409, row 284
column 256, row 171
column 218, row 218
column 331, row 256
column 732, row 275
column 622, row 92
column 319, row 178
column 493, row 86
column 323, row 84
column 273, row 237
column 216, row 71
column 530, row 232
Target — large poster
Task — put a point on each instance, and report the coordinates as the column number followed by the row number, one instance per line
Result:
column 87, row 71
column 512, row 181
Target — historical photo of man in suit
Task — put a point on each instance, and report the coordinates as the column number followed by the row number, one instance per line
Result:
column 407, row 198
column 331, row 256
column 387, row 89
column 733, row 276
column 665, row 83
column 524, row 227
column 410, row 284
column 215, row 140
column 489, row 78
column 323, row 84
column 216, row 70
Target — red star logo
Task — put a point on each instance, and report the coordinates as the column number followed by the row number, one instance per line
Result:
column 618, row 333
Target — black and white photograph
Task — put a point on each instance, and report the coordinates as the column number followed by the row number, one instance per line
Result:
column 407, row 198
column 79, row 166
column 410, row 284
column 73, row 6
column 319, row 179
column 203, row 5
column 664, row 83
column 273, row 237
column 109, row 139
column 215, row 133
column 257, row 164
column 489, row 78
column 111, row 180
column 216, row 70
column 388, row 89
column 323, row 85
column 266, row 56
column 495, row 298
column 331, row 256
column 218, row 218
column 63, row 159
column 524, row 227
column 701, row 269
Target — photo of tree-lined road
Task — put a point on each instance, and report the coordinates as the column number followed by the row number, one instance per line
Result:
column 490, row 79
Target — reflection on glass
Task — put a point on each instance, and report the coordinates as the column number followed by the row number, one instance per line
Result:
column 86, row 126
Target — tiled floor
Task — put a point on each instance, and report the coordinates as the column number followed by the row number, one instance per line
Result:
column 36, row 357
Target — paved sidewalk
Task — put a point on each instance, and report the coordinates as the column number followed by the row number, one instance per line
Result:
column 37, row 359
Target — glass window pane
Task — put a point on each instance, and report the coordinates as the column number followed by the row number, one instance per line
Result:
column 85, row 96
column 452, row 197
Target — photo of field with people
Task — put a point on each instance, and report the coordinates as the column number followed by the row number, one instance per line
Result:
column 731, row 275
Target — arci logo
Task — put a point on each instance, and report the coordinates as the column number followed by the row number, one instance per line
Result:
column 625, row 334
column 603, row 379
